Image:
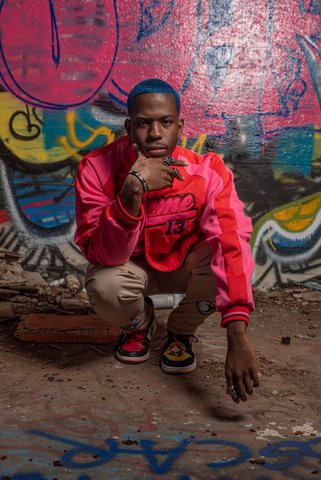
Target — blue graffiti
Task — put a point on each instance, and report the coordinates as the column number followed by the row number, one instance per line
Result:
column 292, row 456
column 283, row 455
column 245, row 453
column 105, row 456
column 51, row 213
column 55, row 43
column 278, row 456
column 289, row 84
column 313, row 6
column 218, row 59
column 220, row 15
column 148, row 25
column 312, row 56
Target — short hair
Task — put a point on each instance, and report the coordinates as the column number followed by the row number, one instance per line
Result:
column 152, row 85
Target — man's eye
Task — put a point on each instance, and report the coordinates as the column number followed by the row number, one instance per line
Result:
column 166, row 122
column 141, row 123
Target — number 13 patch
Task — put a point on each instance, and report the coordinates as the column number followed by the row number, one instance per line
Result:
column 175, row 227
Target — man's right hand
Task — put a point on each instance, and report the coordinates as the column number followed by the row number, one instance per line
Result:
column 155, row 173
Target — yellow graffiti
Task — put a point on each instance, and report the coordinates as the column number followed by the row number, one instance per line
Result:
column 22, row 132
column 298, row 217
column 271, row 240
column 73, row 144
column 295, row 217
column 197, row 145
column 298, row 225
column 286, row 214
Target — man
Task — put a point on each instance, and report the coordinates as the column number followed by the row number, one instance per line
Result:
column 153, row 217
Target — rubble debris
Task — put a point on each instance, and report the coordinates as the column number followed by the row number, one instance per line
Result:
column 29, row 292
column 5, row 310
column 6, row 313
column 286, row 340
column 6, row 292
column 61, row 282
column 312, row 296
column 73, row 283
column 8, row 255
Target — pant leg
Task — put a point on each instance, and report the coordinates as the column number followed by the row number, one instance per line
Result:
column 199, row 301
column 116, row 294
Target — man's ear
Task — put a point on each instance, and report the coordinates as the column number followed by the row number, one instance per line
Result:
column 127, row 126
column 180, row 126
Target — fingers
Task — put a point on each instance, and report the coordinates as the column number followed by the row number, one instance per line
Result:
column 137, row 150
column 233, row 392
column 175, row 173
column 180, row 163
column 169, row 161
column 232, row 388
column 248, row 384
column 241, row 391
column 255, row 377
column 238, row 387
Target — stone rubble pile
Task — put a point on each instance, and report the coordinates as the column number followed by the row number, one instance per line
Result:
column 24, row 292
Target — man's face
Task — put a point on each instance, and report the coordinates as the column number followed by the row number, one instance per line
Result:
column 154, row 124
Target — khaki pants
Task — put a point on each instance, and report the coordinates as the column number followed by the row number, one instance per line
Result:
column 117, row 293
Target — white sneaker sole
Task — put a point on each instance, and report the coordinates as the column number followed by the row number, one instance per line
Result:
column 126, row 359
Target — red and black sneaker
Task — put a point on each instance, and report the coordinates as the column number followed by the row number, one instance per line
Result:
column 134, row 347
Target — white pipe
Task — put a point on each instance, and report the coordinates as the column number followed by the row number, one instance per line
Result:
column 166, row 300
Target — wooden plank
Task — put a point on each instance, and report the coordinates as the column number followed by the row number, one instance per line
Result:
column 50, row 328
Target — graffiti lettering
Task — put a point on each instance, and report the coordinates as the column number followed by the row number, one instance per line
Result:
column 249, row 78
column 282, row 455
column 32, row 129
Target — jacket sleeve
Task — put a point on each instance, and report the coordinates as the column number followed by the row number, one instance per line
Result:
column 228, row 230
column 105, row 232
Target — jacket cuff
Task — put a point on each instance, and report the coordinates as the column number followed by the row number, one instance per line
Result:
column 123, row 217
column 235, row 313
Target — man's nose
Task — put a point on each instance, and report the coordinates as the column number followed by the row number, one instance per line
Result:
column 155, row 131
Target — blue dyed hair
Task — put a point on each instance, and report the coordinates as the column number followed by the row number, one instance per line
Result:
column 152, row 85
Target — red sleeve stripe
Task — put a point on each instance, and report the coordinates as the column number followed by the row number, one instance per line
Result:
column 229, row 241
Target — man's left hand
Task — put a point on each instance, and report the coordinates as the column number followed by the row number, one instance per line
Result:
column 240, row 367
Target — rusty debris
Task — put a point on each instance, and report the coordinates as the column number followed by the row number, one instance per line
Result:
column 23, row 292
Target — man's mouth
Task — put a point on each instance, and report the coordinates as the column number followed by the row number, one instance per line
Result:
column 156, row 150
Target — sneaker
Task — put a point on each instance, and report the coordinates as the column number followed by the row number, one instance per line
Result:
column 134, row 347
column 177, row 356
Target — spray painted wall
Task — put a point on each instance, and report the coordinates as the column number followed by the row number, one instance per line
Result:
column 249, row 75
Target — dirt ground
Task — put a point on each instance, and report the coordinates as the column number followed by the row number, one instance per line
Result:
column 61, row 404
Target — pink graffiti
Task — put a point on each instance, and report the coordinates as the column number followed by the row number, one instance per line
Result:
column 57, row 53
column 227, row 58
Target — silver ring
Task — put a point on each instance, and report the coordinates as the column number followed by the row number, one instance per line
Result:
column 174, row 172
column 168, row 161
column 232, row 390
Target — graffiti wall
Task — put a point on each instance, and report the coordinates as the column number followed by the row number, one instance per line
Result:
column 249, row 76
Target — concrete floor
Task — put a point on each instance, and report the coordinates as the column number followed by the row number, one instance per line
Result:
column 72, row 412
